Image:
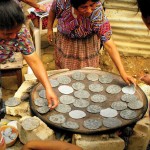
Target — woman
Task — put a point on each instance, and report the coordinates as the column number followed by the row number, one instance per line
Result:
column 15, row 37
column 82, row 27
column 144, row 7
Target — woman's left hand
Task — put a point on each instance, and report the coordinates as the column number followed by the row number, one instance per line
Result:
column 128, row 79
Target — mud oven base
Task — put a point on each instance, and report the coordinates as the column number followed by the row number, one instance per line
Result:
column 137, row 141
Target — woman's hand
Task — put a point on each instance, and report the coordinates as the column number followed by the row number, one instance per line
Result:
column 146, row 78
column 128, row 79
column 50, row 35
column 51, row 98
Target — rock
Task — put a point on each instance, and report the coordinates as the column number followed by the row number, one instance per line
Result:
column 23, row 109
column 141, row 133
column 42, row 132
column 98, row 142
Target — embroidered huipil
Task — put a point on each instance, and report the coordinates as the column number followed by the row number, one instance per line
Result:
column 22, row 43
column 81, row 27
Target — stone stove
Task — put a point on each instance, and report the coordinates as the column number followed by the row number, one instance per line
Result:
column 138, row 140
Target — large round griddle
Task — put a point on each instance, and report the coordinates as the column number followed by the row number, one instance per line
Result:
column 110, row 98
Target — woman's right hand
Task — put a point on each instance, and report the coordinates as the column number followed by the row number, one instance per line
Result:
column 50, row 35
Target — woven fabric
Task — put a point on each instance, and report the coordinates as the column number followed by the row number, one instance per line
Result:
column 76, row 53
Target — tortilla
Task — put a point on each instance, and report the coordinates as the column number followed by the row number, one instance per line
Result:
column 77, row 114
column 129, row 89
column 112, row 122
column 92, row 76
column 81, row 103
column 135, row 104
column 128, row 114
column 128, row 98
column 7, row 139
column 70, row 125
column 12, row 102
column 92, row 124
column 96, row 87
column 98, row 98
column 82, row 94
column 119, row 105
column 42, row 93
column 65, row 89
column 30, row 123
column 78, row 76
column 43, row 109
column 54, row 83
column 113, row 89
column 94, row 109
column 7, row 131
column 13, row 136
column 41, row 102
column 64, row 79
column 66, row 99
column 63, row 108
column 106, row 78
column 58, row 118
column 108, row 112
column 78, row 86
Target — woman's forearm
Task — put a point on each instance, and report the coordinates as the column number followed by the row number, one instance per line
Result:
column 38, row 68
column 114, row 54
column 51, row 18
column 31, row 3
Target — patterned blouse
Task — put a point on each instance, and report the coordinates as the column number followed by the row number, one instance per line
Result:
column 81, row 27
column 22, row 43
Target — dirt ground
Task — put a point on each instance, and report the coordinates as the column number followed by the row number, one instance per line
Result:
column 136, row 66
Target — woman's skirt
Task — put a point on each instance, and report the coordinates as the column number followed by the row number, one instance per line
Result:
column 76, row 53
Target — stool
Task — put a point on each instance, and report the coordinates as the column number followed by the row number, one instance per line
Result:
column 13, row 68
column 38, row 32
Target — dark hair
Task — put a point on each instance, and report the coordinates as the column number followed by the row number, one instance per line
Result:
column 144, row 7
column 11, row 15
column 77, row 3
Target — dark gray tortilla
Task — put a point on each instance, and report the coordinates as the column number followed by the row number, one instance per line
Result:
column 92, row 124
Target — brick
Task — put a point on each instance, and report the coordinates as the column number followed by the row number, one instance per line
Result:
column 98, row 142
